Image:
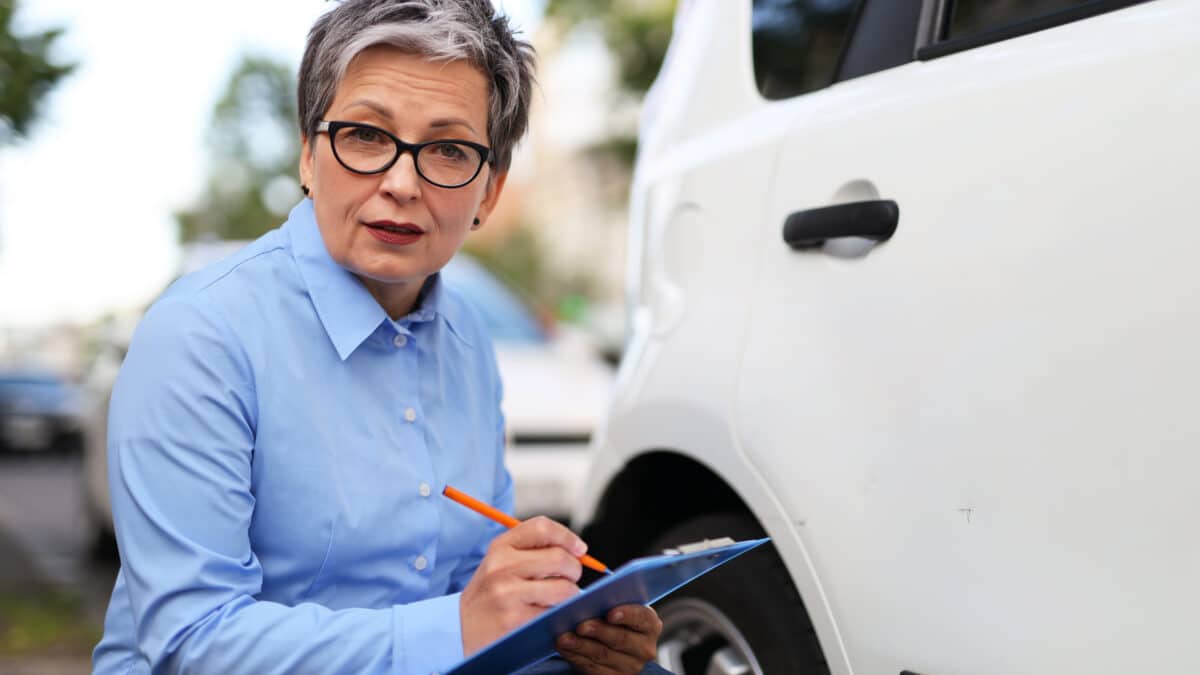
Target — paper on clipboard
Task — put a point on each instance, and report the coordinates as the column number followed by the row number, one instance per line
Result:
column 640, row 581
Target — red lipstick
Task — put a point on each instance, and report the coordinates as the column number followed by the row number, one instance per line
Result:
column 390, row 232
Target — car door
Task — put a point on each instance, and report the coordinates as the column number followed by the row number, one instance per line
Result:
column 982, row 428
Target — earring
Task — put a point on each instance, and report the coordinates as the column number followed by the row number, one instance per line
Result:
column 476, row 225
column 304, row 189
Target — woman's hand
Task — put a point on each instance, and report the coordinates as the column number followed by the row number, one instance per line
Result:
column 533, row 566
column 623, row 643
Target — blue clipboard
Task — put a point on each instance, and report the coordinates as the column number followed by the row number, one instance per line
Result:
column 640, row 581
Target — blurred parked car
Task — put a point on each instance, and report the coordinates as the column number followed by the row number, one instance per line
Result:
column 556, row 387
column 39, row 411
column 916, row 293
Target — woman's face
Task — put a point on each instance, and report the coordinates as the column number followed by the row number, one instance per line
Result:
column 418, row 101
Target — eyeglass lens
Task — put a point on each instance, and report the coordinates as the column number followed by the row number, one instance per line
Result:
column 367, row 150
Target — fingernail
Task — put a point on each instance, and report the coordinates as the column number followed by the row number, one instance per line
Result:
column 587, row 629
column 569, row 641
column 579, row 548
column 618, row 616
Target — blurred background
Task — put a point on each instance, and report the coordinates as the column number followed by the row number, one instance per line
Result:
column 142, row 140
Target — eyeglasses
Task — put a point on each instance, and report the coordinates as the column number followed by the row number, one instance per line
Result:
column 366, row 149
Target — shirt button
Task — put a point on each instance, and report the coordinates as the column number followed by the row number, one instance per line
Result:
column 424, row 489
column 420, row 563
column 400, row 340
column 410, row 414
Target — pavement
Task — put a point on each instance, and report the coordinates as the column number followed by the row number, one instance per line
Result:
column 45, row 665
column 16, row 569
column 47, row 548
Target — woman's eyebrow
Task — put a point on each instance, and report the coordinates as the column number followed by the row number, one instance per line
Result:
column 452, row 122
column 386, row 114
column 373, row 106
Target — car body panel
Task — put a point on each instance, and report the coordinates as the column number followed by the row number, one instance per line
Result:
column 972, row 443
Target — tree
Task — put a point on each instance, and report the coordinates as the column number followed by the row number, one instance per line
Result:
column 27, row 74
column 637, row 32
column 254, row 146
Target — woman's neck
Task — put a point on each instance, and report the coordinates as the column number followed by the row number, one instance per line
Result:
column 397, row 299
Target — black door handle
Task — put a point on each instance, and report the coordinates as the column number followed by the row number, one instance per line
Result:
column 875, row 219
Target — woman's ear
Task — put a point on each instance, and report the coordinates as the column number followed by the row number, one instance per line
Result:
column 491, row 195
column 306, row 167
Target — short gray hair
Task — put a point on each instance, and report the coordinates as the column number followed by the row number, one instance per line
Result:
column 439, row 30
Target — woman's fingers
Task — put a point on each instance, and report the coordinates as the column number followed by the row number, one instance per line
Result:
column 534, row 564
column 638, row 618
column 536, row 549
column 541, row 532
column 594, row 657
column 623, row 643
column 547, row 592
column 527, row 569
column 640, row 644
column 544, row 563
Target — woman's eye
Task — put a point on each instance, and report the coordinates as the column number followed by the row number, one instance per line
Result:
column 449, row 151
column 365, row 135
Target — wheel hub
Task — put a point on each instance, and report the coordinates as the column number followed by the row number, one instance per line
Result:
column 698, row 639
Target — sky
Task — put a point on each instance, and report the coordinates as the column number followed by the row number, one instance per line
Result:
column 86, row 202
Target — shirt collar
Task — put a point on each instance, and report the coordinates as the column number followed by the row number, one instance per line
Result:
column 346, row 309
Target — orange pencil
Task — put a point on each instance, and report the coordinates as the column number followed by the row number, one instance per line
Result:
column 508, row 521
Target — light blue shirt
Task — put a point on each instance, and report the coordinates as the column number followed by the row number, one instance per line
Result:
column 277, row 450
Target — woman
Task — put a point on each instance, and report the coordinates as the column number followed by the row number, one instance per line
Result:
column 285, row 421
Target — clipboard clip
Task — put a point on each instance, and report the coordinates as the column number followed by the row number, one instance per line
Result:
column 702, row 545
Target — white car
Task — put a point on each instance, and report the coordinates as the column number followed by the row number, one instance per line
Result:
column 556, row 387
column 915, row 292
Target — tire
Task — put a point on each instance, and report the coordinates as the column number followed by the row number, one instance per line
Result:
column 742, row 619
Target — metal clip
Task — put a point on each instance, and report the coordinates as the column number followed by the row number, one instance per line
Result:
column 699, row 546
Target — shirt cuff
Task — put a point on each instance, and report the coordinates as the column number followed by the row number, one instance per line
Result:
column 428, row 635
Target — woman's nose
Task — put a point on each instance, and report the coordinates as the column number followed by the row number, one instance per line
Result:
column 402, row 180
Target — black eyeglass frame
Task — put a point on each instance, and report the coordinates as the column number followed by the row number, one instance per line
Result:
column 332, row 127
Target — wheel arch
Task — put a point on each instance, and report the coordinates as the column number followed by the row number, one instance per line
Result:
column 652, row 493
column 660, row 489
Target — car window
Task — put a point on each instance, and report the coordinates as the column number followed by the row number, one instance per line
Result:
column 798, row 43
column 968, row 17
column 884, row 36
column 966, row 24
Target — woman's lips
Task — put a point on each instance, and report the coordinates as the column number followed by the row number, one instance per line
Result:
column 395, row 233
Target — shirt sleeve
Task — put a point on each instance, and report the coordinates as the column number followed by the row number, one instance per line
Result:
column 181, row 440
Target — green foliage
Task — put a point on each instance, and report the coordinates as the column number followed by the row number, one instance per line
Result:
column 254, row 143
column 44, row 622
column 520, row 260
column 637, row 32
column 27, row 74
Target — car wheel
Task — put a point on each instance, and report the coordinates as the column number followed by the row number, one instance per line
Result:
column 743, row 619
